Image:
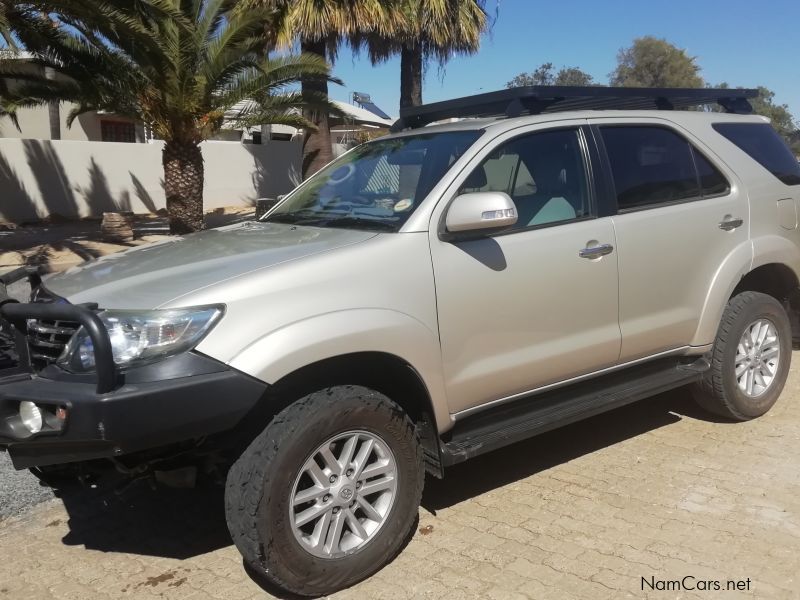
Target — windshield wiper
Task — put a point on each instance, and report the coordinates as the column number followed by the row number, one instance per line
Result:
column 293, row 217
column 359, row 222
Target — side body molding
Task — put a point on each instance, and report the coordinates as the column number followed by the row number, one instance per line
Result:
column 328, row 335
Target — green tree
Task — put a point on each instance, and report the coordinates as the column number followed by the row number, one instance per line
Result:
column 654, row 62
column 781, row 119
column 321, row 26
column 544, row 75
column 176, row 66
column 429, row 30
column 778, row 114
column 437, row 29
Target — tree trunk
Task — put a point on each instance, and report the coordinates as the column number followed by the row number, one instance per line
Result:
column 183, row 186
column 411, row 75
column 317, row 148
column 53, row 109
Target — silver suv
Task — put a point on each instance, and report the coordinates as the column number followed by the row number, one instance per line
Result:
column 427, row 297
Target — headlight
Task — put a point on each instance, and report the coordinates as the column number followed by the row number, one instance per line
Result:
column 139, row 337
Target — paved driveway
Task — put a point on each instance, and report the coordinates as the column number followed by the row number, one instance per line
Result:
column 651, row 491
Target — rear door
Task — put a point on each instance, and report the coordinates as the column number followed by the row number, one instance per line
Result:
column 680, row 213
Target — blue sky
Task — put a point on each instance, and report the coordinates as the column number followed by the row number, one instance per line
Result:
column 741, row 42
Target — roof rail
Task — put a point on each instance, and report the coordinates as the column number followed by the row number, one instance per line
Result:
column 537, row 99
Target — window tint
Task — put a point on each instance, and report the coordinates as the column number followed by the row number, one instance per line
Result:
column 650, row 165
column 765, row 146
column 544, row 173
column 712, row 182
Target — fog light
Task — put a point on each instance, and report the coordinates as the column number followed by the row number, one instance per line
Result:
column 31, row 416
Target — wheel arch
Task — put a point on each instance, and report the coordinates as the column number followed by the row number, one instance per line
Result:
column 768, row 264
column 779, row 281
column 383, row 372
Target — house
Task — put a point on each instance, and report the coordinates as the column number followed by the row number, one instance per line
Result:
column 49, row 122
column 346, row 131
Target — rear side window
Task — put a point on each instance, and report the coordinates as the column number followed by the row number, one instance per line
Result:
column 650, row 166
column 765, row 146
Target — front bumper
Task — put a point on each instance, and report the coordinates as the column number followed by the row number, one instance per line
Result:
column 134, row 417
column 110, row 414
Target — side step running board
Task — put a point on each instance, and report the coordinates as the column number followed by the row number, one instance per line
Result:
column 535, row 414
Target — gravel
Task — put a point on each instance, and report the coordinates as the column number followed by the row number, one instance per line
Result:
column 19, row 490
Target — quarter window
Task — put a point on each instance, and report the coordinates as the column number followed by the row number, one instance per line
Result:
column 765, row 146
column 650, row 166
column 544, row 174
column 712, row 182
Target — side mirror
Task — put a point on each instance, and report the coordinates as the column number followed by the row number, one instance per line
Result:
column 479, row 213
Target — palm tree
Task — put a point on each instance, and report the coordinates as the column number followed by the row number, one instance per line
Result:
column 178, row 67
column 433, row 29
column 320, row 26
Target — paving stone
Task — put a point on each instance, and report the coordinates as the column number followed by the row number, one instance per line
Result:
column 655, row 490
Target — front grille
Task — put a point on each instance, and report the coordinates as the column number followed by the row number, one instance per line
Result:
column 47, row 339
column 8, row 350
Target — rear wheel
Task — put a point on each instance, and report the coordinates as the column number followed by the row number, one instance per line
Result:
column 750, row 360
column 328, row 493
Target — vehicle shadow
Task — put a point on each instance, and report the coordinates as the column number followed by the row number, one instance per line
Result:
column 163, row 522
column 181, row 524
column 559, row 446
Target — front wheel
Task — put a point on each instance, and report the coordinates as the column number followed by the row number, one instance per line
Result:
column 328, row 493
column 750, row 360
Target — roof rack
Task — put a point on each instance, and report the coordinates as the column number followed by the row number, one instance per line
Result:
column 537, row 99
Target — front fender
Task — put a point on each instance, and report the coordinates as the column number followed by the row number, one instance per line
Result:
column 305, row 342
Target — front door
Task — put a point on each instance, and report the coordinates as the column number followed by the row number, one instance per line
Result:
column 537, row 304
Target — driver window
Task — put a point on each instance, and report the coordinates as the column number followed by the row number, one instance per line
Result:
column 543, row 173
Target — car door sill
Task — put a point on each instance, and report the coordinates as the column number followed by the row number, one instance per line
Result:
column 682, row 351
column 526, row 417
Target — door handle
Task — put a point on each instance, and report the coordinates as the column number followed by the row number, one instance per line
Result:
column 596, row 251
column 728, row 223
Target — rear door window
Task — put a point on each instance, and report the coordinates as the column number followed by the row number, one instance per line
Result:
column 712, row 182
column 763, row 144
column 650, row 165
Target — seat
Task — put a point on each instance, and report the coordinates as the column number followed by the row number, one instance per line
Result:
column 550, row 203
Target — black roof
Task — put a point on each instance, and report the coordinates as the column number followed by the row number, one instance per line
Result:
column 538, row 99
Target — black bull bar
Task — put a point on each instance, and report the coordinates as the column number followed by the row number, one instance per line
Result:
column 14, row 316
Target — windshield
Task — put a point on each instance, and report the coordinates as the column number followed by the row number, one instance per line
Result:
column 377, row 185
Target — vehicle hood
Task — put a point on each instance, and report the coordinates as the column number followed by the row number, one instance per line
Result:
column 149, row 276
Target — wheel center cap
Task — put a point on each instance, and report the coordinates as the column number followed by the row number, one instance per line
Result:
column 346, row 493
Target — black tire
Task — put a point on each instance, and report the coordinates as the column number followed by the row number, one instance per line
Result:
column 260, row 483
column 719, row 393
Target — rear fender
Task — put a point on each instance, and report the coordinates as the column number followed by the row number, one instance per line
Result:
column 735, row 266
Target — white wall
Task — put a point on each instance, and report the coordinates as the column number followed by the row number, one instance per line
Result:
column 80, row 179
